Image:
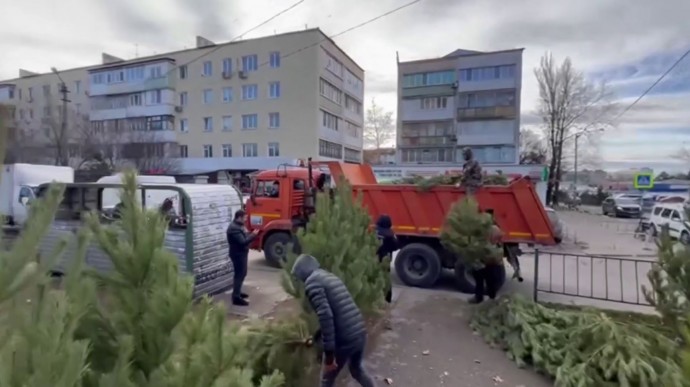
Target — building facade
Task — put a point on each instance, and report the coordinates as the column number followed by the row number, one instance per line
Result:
column 243, row 105
column 464, row 99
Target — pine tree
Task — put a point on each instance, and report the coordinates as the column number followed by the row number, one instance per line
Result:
column 467, row 232
column 339, row 235
column 670, row 282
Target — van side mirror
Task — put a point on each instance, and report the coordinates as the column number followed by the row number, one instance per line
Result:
column 24, row 200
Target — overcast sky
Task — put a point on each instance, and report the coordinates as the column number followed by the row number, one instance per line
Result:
column 627, row 42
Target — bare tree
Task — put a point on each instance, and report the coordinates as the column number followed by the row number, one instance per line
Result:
column 532, row 147
column 379, row 128
column 568, row 104
column 149, row 152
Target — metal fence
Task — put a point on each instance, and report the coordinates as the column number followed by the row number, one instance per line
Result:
column 618, row 279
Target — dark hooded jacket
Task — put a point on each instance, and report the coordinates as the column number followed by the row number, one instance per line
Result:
column 238, row 240
column 341, row 323
column 386, row 236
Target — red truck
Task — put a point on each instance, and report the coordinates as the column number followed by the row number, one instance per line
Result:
column 281, row 200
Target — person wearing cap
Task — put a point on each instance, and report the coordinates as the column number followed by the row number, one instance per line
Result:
column 238, row 244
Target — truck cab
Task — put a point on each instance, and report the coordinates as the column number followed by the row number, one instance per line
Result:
column 281, row 201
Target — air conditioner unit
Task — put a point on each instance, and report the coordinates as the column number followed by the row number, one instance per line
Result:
column 178, row 109
column 227, row 74
column 242, row 74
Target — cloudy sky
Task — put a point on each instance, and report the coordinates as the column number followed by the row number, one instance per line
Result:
column 629, row 43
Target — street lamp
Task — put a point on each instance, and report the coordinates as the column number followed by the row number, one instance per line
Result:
column 63, row 124
column 577, row 137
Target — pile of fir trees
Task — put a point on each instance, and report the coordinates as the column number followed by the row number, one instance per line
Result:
column 590, row 347
column 427, row 183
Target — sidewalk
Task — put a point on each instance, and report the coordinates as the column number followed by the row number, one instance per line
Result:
column 431, row 344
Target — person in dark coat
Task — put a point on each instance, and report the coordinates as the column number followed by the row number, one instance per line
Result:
column 389, row 244
column 342, row 330
column 471, row 172
column 238, row 242
column 488, row 278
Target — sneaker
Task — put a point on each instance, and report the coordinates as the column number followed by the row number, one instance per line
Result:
column 244, row 295
column 240, row 302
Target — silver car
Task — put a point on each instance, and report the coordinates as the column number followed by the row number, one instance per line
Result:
column 556, row 224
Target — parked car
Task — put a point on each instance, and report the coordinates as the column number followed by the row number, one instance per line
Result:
column 556, row 224
column 622, row 206
column 673, row 216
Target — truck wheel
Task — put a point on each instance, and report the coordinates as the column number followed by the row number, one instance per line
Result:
column 276, row 247
column 465, row 281
column 418, row 265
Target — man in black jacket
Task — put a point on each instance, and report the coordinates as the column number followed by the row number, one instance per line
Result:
column 238, row 242
column 343, row 333
column 389, row 244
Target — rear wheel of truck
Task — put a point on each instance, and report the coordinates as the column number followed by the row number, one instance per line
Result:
column 465, row 281
column 276, row 247
column 418, row 265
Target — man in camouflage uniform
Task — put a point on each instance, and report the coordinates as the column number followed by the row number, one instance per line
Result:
column 471, row 172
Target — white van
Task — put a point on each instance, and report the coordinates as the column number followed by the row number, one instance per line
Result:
column 154, row 198
column 674, row 216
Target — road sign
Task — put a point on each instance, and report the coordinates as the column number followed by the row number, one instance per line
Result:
column 643, row 180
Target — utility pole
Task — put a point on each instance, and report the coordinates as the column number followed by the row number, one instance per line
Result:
column 62, row 159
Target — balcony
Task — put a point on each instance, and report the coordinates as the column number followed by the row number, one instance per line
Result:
column 487, row 132
column 411, row 110
column 132, row 111
column 164, row 82
column 483, row 113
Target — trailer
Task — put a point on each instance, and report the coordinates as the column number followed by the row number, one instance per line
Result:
column 282, row 200
column 196, row 231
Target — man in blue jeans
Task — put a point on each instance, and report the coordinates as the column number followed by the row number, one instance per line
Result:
column 238, row 242
column 343, row 333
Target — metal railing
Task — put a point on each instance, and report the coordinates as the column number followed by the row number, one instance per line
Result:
column 612, row 278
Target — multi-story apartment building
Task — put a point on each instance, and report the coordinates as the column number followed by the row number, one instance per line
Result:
column 244, row 104
column 464, row 99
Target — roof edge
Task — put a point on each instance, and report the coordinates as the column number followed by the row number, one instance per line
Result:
column 445, row 58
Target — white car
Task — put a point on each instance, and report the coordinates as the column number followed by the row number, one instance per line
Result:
column 673, row 216
column 556, row 224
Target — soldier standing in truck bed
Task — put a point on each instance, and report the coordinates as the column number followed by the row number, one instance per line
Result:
column 471, row 172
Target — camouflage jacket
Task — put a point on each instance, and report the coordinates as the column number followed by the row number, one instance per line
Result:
column 471, row 174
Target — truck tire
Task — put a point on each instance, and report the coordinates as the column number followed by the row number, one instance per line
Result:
column 275, row 248
column 418, row 265
column 465, row 282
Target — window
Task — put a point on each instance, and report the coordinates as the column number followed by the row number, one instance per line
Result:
column 249, row 92
column 77, row 88
column 208, row 124
column 184, row 125
column 274, row 59
column 330, row 149
column 31, row 93
column 666, row 213
column 227, row 150
column 46, row 111
column 208, row 151
column 333, row 65
column 488, row 73
column 227, row 66
column 429, row 79
column 657, row 210
column 155, row 72
column 486, row 99
column 273, row 149
column 184, row 151
column 675, row 215
column 274, row 120
column 207, row 69
column 250, row 121
column 227, row 123
column 352, row 105
column 250, row 150
column 329, row 91
column 31, row 114
column 494, row 154
column 329, row 120
column 433, row 103
column 135, row 100
column 250, row 63
column 183, row 72
column 21, row 114
column 274, row 90
column 183, row 98
column 353, row 130
column 136, row 73
column 155, row 97
column 208, row 96
column 352, row 155
column 428, row 155
column 227, row 94
column 97, row 79
column 46, row 90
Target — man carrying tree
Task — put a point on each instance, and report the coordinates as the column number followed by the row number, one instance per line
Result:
column 487, row 275
column 238, row 241
column 343, row 333
column 471, row 172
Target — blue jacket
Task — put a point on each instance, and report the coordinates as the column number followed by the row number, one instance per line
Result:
column 341, row 323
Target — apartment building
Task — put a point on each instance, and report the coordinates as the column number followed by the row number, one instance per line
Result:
column 464, row 99
column 241, row 105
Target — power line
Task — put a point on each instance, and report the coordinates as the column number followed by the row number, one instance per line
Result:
column 653, row 85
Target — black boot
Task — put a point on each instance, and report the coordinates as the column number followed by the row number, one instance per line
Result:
column 244, row 295
column 475, row 300
column 239, row 301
